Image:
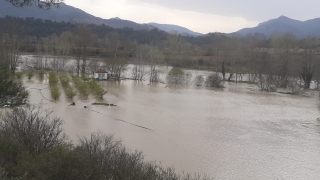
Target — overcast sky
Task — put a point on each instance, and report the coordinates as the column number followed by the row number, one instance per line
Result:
column 201, row 15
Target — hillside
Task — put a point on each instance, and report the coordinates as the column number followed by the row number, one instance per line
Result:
column 74, row 15
column 175, row 29
column 68, row 14
column 300, row 29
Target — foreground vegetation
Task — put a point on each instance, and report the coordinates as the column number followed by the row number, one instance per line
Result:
column 12, row 92
column 39, row 149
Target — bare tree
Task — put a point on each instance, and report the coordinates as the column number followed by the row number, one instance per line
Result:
column 38, row 64
column 117, row 67
column 65, row 45
column 155, row 59
column 47, row 50
column 12, row 53
column 266, row 72
column 82, row 41
column 112, row 41
column 309, row 47
column 284, row 48
column 11, row 37
column 187, row 77
column 139, row 70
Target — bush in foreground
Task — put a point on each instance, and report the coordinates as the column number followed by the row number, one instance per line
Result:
column 11, row 92
column 33, row 146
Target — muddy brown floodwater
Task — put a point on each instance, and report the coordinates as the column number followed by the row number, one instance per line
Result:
column 237, row 132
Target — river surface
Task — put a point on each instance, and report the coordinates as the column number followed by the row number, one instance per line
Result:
column 237, row 132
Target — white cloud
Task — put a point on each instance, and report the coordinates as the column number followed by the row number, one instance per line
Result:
column 145, row 13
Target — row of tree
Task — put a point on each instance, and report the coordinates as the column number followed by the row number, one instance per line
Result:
column 279, row 60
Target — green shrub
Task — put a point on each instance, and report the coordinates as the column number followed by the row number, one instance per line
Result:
column 41, row 74
column 55, row 92
column 53, row 80
column 64, row 79
column 176, row 76
column 19, row 75
column 97, row 89
column 30, row 74
column 83, row 88
column 70, row 93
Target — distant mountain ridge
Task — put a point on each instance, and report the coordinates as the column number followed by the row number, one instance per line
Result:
column 174, row 29
column 74, row 15
column 66, row 13
column 283, row 24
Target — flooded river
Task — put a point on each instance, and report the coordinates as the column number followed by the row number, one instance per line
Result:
column 237, row 132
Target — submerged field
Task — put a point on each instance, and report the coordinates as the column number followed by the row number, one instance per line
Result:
column 237, row 132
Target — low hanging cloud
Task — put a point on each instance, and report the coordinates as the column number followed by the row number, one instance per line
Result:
column 252, row 10
column 203, row 15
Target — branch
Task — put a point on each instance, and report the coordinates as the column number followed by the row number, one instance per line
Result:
column 42, row 4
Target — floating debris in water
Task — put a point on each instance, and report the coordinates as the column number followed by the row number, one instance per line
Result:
column 103, row 104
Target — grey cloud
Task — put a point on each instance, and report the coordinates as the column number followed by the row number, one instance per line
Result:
column 254, row 10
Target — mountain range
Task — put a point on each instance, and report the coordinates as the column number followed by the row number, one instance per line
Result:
column 71, row 14
column 283, row 24
column 74, row 15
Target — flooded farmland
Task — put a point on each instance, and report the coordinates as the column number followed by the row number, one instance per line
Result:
column 237, row 132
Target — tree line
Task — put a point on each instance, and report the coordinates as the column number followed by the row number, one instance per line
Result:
column 281, row 60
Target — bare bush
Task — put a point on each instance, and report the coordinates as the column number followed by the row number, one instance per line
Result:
column 199, row 80
column 267, row 83
column 213, row 80
column 116, row 162
column 187, row 77
column 295, row 87
column 32, row 129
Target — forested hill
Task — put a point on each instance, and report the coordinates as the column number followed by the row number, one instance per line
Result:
column 39, row 28
column 283, row 24
column 71, row 14
column 66, row 13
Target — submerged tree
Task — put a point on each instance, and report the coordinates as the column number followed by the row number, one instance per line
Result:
column 223, row 71
column 199, row 80
column 155, row 59
column 176, row 76
column 213, row 80
column 139, row 69
column 310, row 46
column 284, row 45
